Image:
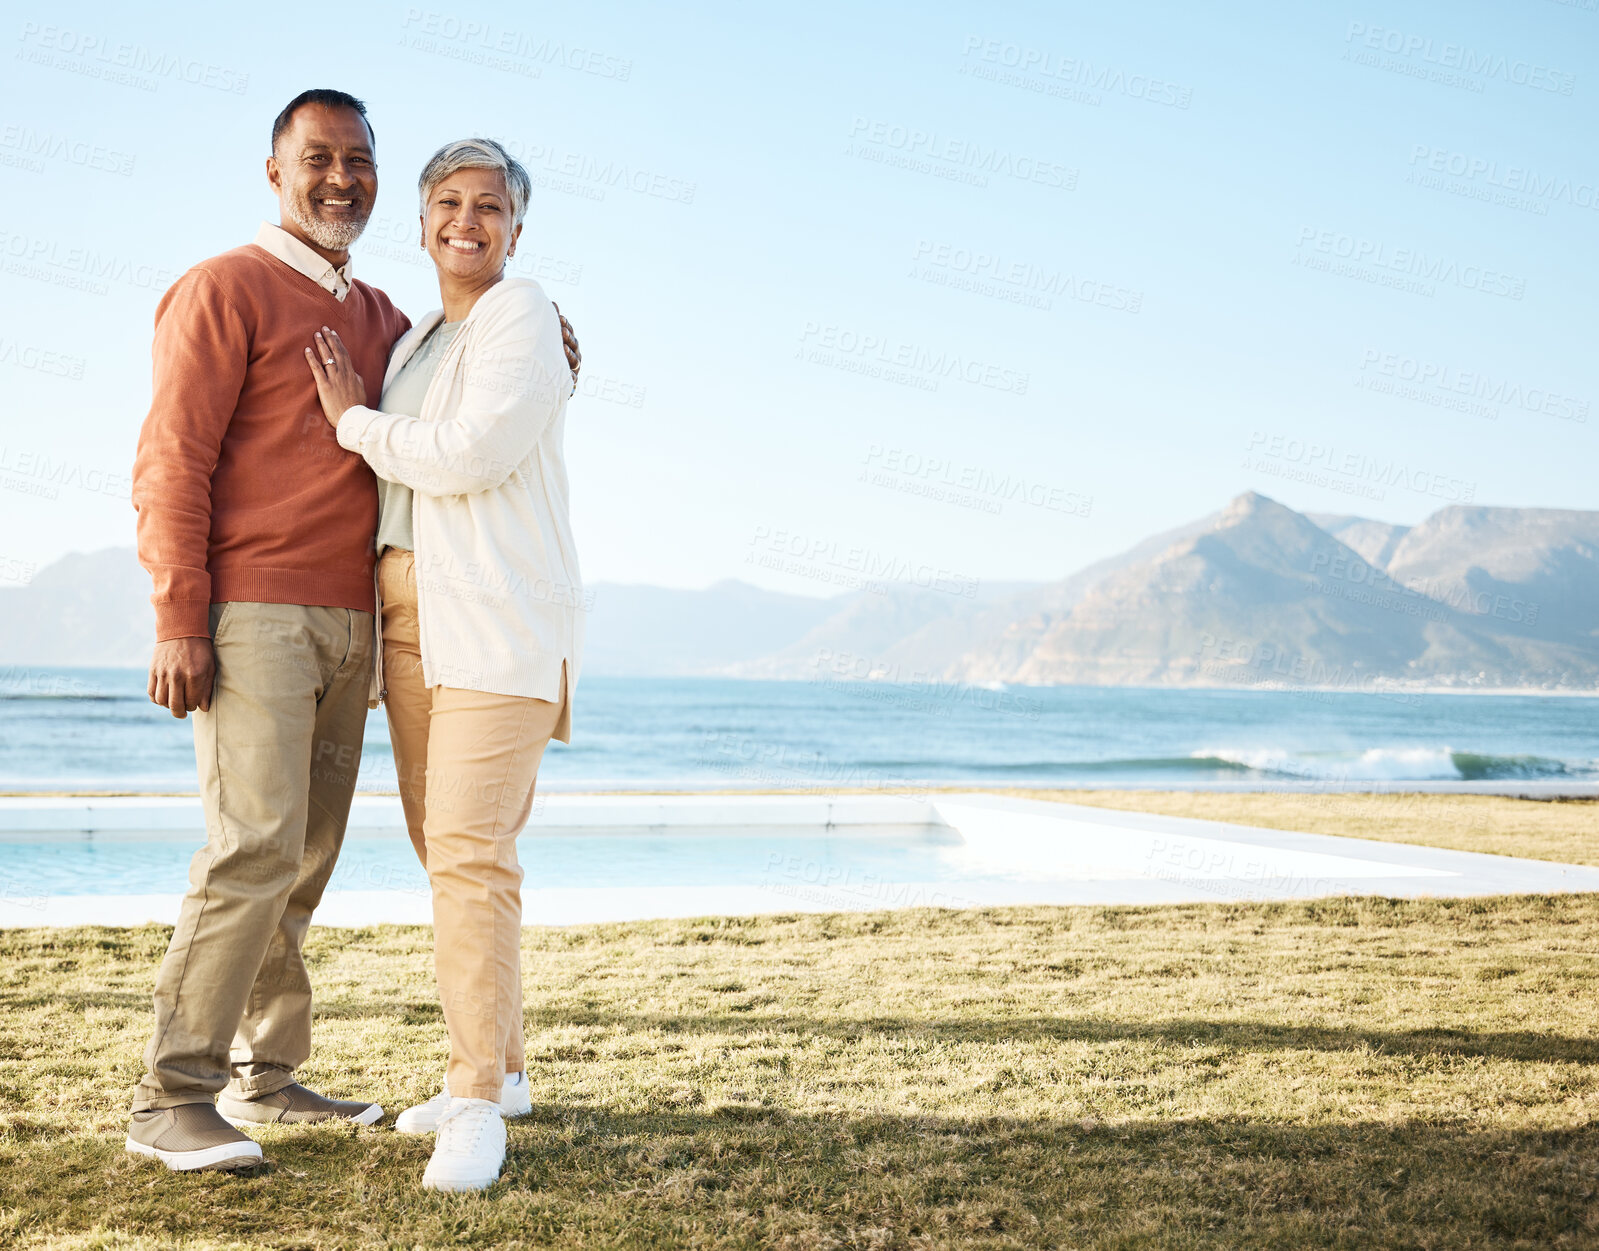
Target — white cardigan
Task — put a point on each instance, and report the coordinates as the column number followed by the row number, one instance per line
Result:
column 499, row 597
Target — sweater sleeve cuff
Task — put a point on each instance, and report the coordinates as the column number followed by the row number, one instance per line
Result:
column 182, row 619
column 352, row 425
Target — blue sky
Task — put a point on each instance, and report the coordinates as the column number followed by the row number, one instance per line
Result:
column 992, row 292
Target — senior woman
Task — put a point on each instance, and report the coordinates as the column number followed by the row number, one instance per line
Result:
column 480, row 629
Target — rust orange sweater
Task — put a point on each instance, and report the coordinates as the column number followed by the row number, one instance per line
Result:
column 242, row 489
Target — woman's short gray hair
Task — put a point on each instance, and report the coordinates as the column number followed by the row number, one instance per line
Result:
column 477, row 154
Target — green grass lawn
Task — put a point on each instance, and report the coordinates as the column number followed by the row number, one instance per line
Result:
column 1347, row 1073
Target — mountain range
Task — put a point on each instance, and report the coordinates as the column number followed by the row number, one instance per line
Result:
column 1254, row 594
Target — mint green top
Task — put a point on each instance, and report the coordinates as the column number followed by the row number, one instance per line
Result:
column 405, row 395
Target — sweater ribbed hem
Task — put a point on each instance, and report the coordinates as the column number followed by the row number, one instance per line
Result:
column 308, row 587
column 183, row 619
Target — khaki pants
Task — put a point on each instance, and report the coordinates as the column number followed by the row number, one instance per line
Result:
column 278, row 754
column 467, row 762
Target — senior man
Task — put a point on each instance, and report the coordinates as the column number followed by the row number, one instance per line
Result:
column 257, row 530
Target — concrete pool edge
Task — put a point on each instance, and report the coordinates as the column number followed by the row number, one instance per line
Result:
column 1047, row 852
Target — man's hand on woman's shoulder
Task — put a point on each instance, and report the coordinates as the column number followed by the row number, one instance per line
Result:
column 574, row 356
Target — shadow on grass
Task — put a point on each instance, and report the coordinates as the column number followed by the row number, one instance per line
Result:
column 81, row 1000
column 1519, row 1045
column 1523, row 1045
column 748, row 1175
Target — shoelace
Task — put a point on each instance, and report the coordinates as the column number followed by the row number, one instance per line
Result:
column 463, row 1124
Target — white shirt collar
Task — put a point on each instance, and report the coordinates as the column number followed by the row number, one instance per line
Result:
column 306, row 260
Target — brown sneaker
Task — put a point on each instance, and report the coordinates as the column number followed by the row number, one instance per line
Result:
column 189, row 1137
column 294, row 1105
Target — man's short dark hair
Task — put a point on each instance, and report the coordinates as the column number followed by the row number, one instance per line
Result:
column 327, row 98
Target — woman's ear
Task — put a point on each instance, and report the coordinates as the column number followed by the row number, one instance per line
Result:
column 515, row 235
column 422, row 231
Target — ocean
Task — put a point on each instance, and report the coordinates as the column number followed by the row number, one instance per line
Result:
column 94, row 729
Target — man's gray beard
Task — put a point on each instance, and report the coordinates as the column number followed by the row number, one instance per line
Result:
column 334, row 236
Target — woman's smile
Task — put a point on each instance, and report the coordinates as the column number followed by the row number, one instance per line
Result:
column 469, row 229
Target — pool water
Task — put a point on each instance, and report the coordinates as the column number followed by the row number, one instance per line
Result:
column 158, row 863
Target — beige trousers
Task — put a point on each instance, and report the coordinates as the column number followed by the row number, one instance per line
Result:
column 277, row 754
column 467, row 762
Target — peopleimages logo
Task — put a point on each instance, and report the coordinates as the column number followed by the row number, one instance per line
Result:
column 40, row 360
column 965, row 154
column 792, row 551
column 1371, row 472
column 1374, row 256
column 1516, row 179
column 38, row 146
column 536, row 48
column 1076, row 71
column 823, row 342
column 1268, row 664
column 985, row 270
column 1472, row 384
column 33, row 256
column 1439, row 592
column 96, row 55
column 16, row 572
column 918, row 687
column 581, row 174
column 1459, row 57
column 939, row 477
column 38, row 473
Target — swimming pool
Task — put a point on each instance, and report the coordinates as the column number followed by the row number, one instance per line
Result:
column 151, row 863
column 618, row 857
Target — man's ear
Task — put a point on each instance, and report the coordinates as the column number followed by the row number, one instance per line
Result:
column 274, row 175
column 422, row 231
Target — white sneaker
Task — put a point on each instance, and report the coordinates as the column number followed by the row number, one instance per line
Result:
column 424, row 1117
column 469, row 1152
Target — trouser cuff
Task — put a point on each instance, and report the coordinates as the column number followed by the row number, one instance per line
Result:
column 152, row 1103
column 258, row 1085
